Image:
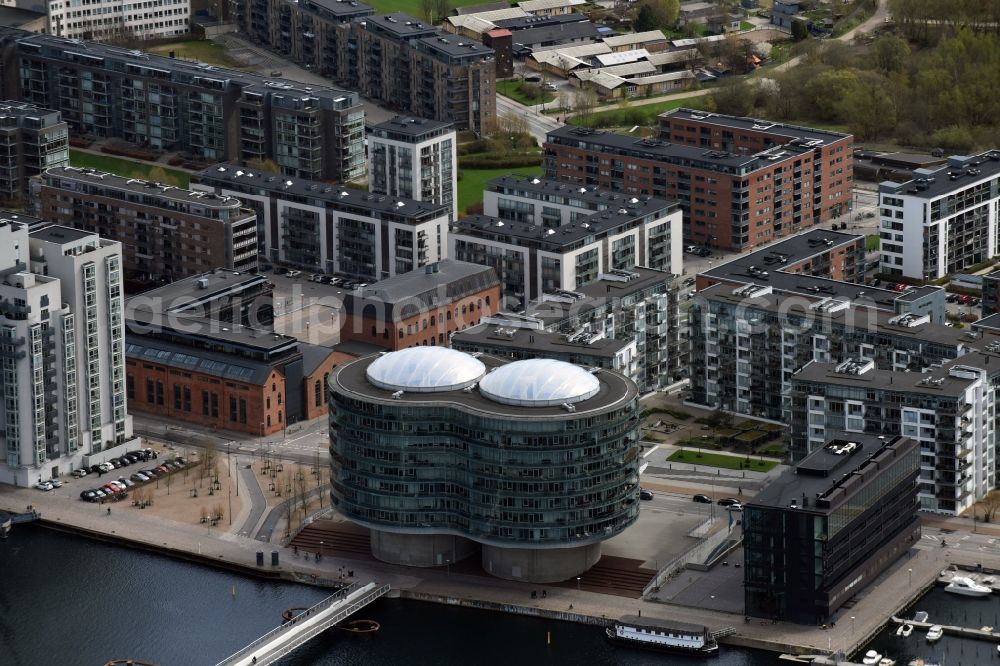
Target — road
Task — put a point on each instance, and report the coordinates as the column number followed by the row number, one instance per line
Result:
column 538, row 125
column 874, row 21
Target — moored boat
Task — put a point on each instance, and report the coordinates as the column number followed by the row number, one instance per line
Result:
column 935, row 633
column 871, row 658
column 663, row 635
column 907, row 630
column 967, row 587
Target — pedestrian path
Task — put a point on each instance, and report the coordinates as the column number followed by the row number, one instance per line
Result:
column 257, row 502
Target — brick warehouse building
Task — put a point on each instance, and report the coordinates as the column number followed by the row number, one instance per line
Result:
column 741, row 182
column 422, row 307
column 202, row 365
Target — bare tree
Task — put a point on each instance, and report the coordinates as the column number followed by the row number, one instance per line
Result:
column 990, row 504
column 427, row 10
column 584, row 102
column 442, row 8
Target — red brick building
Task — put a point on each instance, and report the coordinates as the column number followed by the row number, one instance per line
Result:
column 741, row 182
column 422, row 307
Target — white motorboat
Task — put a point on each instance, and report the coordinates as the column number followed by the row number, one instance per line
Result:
column 899, row 632
column 907, row 630
column 935, row 633
column 967, row 587
column 886, row 661
column 871, row 658
column 920, row 616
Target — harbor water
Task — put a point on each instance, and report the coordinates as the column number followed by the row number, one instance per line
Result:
column 945, row 609
column 68, row 601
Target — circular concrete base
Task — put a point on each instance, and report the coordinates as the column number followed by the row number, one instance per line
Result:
column 540, row 566
column 420, row 550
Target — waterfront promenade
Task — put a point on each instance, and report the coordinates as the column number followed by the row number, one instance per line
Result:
column 904, row 582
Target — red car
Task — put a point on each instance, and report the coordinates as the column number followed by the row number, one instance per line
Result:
column 965, row 299
column 902, row 287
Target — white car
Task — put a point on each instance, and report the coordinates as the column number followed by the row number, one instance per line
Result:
column 735, row 507
column 107, row 467
column 43, row 485
column 79, row 473
column 55, row 483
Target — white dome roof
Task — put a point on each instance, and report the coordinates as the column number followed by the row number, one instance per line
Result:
column 425, row 369
column 539, row 382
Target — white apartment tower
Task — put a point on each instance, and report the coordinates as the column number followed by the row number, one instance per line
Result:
column 943, row 221
column 416, row 159
column 107, row 21
column 61, row 352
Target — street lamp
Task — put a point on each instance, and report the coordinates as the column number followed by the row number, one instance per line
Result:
column 447, row 563
column 577, row 583
column 321, row 550
column 852, row 626
column 910, row 571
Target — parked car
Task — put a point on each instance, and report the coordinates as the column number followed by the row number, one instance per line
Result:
column 100, row 493
column 182, row 460
column 965, row 299
column 735, row 507
column 549, row 86
column 88, row 495
column 139, row 477
column 728, row 501
column 688, row 282
column 702, row 499
column 951, row 298
column 115, row 463
column 56, row 483
column 151, row 473
column 43, row 485
column 79, row 473
column 645, row 494
column 128, row 483
column 293, row 273
column 106, row 467
column 95, row 469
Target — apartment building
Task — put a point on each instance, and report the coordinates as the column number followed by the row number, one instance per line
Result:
column 332, row 228
column 61, row 352
column 165, row 231
column 541, row 235
column 943, row 221
column 422, row 307
column 627, row 321
column 820, row 533
column 740, row 182
column 109, row 21
column 197, row 352
column 414, row 158
column 746, row 343
column 31, row 139
column 820, row 264
column 206, row 112
column 402, row 62
column 947, row 409
column 991, row 294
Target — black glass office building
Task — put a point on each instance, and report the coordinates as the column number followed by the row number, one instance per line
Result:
column 440, row 453
column 825, row 529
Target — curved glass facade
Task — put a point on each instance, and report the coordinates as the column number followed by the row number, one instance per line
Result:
column 459, row 463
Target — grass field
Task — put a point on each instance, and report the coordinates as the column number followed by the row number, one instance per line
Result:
column 512, row 89
column 125, row 167
column 636, row 115
column 198, row 49
column 720, row 460
column 470, row 187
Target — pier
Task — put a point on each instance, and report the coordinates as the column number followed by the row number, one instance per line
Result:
column 8, row 520
column 282, row 640
column 985, row 633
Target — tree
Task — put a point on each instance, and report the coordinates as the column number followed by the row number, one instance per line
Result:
column 656, row 14
column 442, row 8
column 427, row 10
column 584, row 102
column 890, row 54
column 799, row 30
column 990, row 505
column 735, row 96
column 869, row 109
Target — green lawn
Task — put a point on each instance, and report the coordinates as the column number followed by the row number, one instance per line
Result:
column 746, row 25
column 872, row 242
column 636, row 114
column 126, row 167
column 512, row 89
column 720, row 460
column 201, row 50
column 470, row 187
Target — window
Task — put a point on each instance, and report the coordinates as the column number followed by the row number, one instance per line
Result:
column 279, row 416
column 159, row 393
column 400, row 334
column 243, row 410
column 187, row 398
column 149, row 392
column 279, row 398
column 232, row 408
column 318, row 393
column 177, row 396
column 204, row 403
column 215, row 405
column 130, row 386
column 448, row 315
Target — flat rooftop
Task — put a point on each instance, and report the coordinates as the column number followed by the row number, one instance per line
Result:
column 146, row 188
column 554, row 308
column 824, row 470
column 961, row 171
column 95, row 54
column 861, row 315
column 742, row 123
column 941, row 382
column 409, row 126
column 15, row 109
column 542, row 343
column 187, row 292
column 238, row 177
column 59, row 234
column 441, row 280
column 340, row 8
column 593, row 197
column 614, row 391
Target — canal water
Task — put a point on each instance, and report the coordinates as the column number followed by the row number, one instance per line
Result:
column 68, row 601
column 946, row 609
